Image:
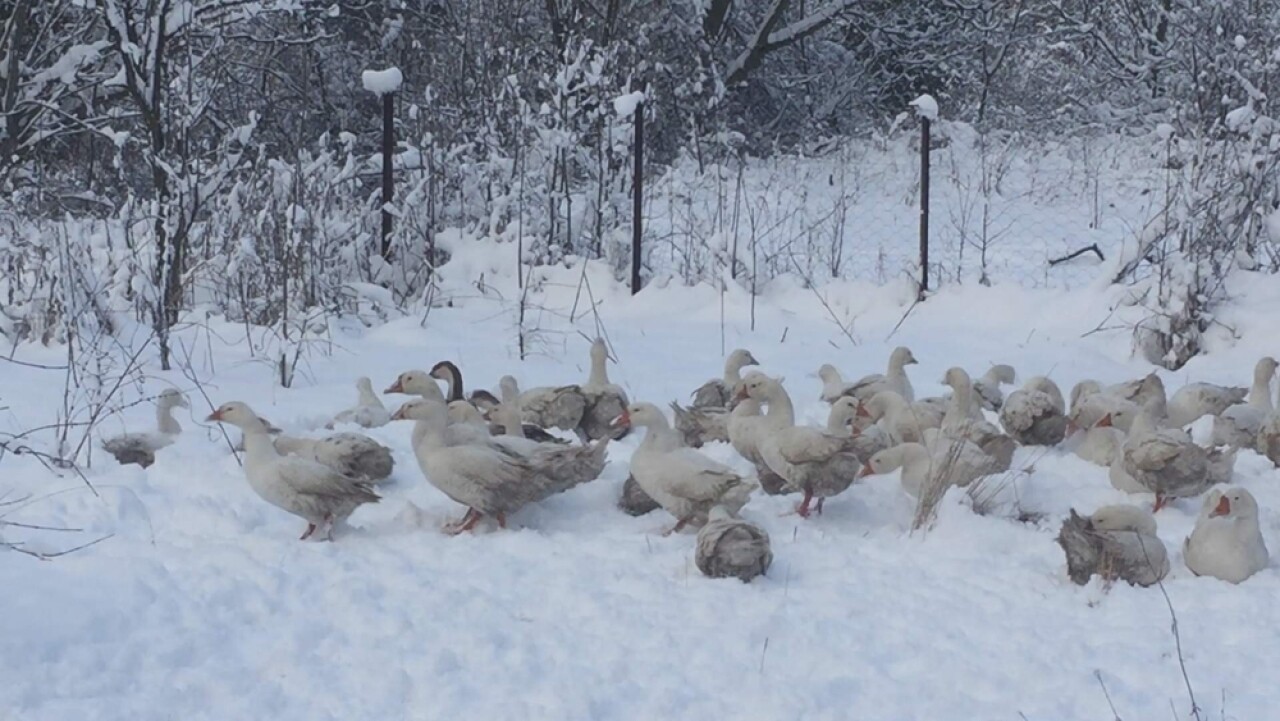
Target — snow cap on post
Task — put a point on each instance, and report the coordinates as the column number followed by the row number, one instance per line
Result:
column 381, row 82
column 926, row 107
column 625, row 105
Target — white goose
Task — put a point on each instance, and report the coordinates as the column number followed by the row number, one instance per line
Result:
column 730, row 547
column 686, row 483
column 1238, row 425
column 558, row 407
column 1115, row 542
column 719, row 392
column 350, row 454
column 958, row 422
column 707, row 419
column 1090, row 404
column 840, row 422
column 903, row 421
column 1035, row 415
column 1227, row 541
column 954, row 462
column 986, row 390
column 812, row 461
column 1100, row 444
column 605, row 401
column 140, row 448
column 1196, row 400
column 1166, row 461
column 747, row 428
column 895, row 379
column 486, row 475
column 368, row 411
column 312, row 491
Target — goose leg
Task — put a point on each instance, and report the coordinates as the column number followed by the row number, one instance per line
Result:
column 467, row 523
column 680, row 524
column 502, row 519
column 820, row 502
column 311, row 528
column 1161, row 502
column 328, row 527
column 803, row 508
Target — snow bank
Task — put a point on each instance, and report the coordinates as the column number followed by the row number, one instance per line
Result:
column 381, row 82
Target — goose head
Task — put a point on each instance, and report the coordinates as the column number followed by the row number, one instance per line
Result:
column 1124, row 517
column 509, row 388
column 1082, row 390
column 1265, row 370
column 758, row 386
column 957, row 378
column 170, row 398
column 422, row 409
column 828, row 374
column 599, row 351
column 882, row 404
column 1001, row 373
column 902, row 356
column 449, row 373
column 1234, row 503
column 742, row 358
column 644, row 415
column 416, row 383
column 843, row 411
column 239, row 415
column 889, row 460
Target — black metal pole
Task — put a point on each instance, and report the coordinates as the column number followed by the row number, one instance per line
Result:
column 924, row 206
column 388, row 176
column 637, row 200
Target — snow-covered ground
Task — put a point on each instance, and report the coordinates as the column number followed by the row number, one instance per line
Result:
column 203, row 603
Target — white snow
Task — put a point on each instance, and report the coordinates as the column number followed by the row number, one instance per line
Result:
column 381, row 82
column 625, row 105
column 1238, row 120
column 1164, row 131
column 926, row 106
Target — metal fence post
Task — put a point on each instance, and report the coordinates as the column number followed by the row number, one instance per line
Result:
column 924, row 206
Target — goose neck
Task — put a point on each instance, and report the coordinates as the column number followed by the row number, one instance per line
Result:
column 780, row 407
column 599, row 372
column 165, row 421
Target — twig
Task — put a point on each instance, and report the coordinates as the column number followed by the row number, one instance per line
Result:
column 49, row 556
column 903, row 319
column 1115, row 714
column 1076, row 254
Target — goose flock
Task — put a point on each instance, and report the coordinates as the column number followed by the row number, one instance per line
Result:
column 495, row 454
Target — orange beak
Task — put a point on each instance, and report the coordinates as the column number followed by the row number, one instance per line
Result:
column 622, row 421
column 862, row 411
column 1103, row 422
column 399, row 414
column 396, row 387
column 741, row 395
column 215, row 416
column 1223, row 508
column 867, row 470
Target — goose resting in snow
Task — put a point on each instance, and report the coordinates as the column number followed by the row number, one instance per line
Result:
column 686, row 483
column 729, row 547
column 1238, row 425
column 1166, row 462
column 140, row 448
column 350, row 454
column 312, row 491
column 1115, row 542
column 1090, row 404
column 1227, row 542
column 489, row 475
column 1035, row 415
column 368, row 411
column 812, row 461
column 719, row 392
